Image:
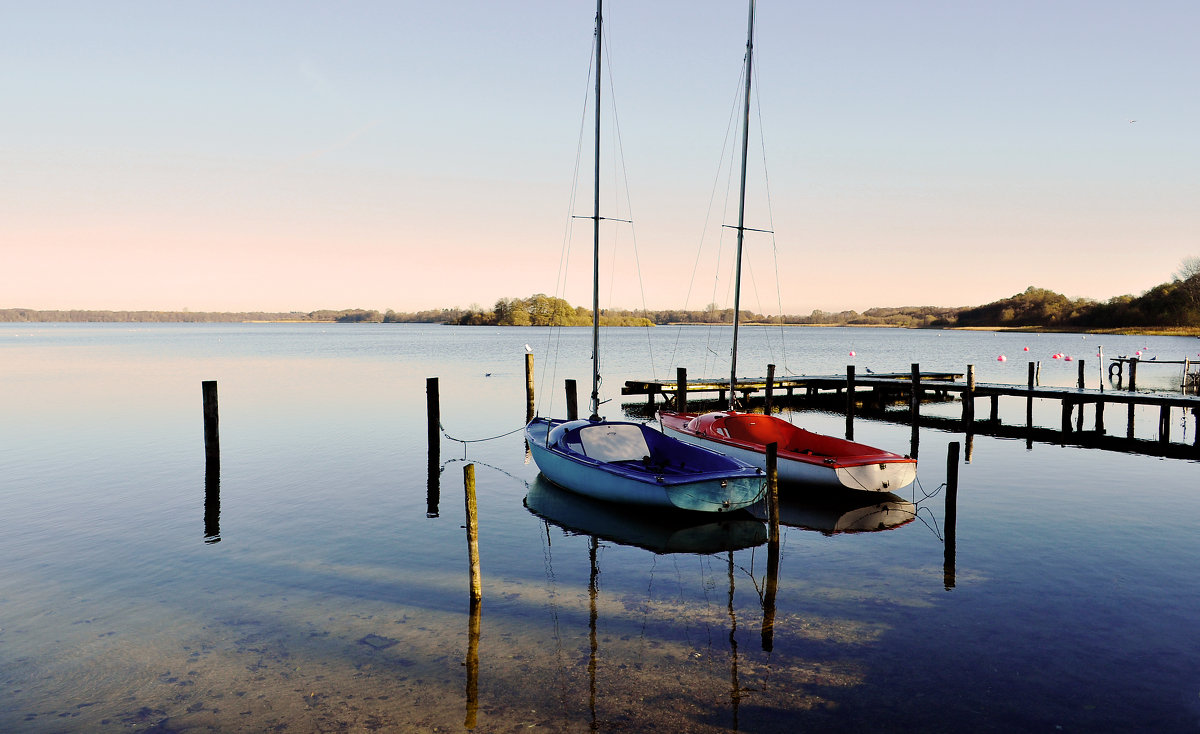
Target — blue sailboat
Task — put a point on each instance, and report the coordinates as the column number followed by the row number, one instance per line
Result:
column 626, row 462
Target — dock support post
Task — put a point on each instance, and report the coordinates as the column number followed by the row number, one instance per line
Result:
column 1133, row 362
column 1129, row 426
column 995, row 415
column 1100, row 417
column 768, row 626
column 681, row 389
column 212, row 433
column 529, row 405
column 1067, row 407
column 851, row 391
column 951, row 521
column 573, row 400
column 770, row 394
column 914, row 399
column 1081, row 379
column 968, row 398
column 1029, row 400
column 472, row 533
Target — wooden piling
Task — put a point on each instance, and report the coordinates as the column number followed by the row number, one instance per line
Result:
column 472, row 533
column 573, row 400
column 433, row 414
column 529, row 404
column 681, row 389
column 1081, row 378
column 1029, row 400
column 914, row 398
column 968, row 399
column 1100, row 417
column 767, row 398
column 951, row 521
column 851, row 391
column 212, row 433
column 995, row 414
column 1133, row 362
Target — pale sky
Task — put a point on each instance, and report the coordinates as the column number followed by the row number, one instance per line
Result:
column 302, row 155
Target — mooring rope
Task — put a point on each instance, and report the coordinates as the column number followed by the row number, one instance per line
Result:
column 476, row 440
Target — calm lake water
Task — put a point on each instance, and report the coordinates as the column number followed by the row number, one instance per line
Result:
column 319, row 595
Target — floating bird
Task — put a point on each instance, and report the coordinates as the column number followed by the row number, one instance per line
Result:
column 869, row 370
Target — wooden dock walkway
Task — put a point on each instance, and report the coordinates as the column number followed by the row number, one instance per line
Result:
column 877, row 390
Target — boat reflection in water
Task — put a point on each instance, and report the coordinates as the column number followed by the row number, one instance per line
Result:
column 658, row 532
column 842, row 511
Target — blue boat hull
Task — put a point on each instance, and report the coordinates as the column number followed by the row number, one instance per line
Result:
column 634, row 464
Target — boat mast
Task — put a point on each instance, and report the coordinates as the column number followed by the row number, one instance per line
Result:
column 741, row 228
column 596, row 233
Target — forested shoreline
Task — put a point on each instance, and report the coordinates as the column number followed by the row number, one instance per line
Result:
column 1172, row 305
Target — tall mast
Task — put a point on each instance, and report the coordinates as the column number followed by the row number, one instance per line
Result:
column 596, row 232
column 741, row 228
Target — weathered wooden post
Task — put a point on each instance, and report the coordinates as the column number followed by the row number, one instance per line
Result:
column 770, row 392
column 914, row 400
column 968, row 408
column 573, row 400
column 212, row 433
column 1100, row 417
column 472, row 533
column 851, row 392
column 768, row 627
column 1029, row 399
column 1100, row 359
column 529, row 403
column 1081, row 379
column 1067, row 407
column 951, row 523
column 995, row 414
column 1133, row 363
column 681, row 389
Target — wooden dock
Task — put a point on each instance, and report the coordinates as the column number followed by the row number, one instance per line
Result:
column 875, row 391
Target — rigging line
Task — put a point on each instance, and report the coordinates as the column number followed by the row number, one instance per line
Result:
column 550, row 370
column 730, row 128
column 762, row 142
column 620, row 151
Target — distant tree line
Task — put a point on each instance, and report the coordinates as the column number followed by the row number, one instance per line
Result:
column 1174, row 304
